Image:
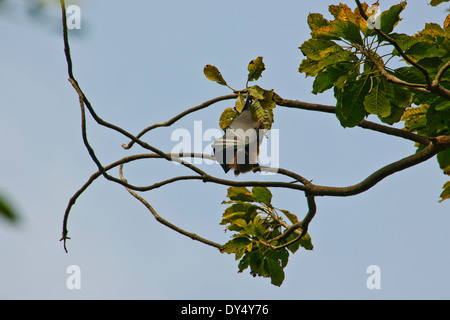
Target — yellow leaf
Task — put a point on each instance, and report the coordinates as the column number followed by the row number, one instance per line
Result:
column 213, row 74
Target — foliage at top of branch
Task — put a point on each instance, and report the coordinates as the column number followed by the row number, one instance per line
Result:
column 375, row 71
column 264, row 101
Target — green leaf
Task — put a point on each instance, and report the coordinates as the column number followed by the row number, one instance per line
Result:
column 447, row 23
column 265, row 116
column 312, row 68
column 318, row 49
column 236, row 244
column 395, row 116
column 213, row 74
column 239, row 210
column 437, row 121
column 402, row 96
column 350, row 105
column 390, row 18
column 348, row 31
column 256, row 92
column 422, row 50
column 330, row 75
column 434, row 3
column 400, row 100
column 327, row 32
column 229, row 218
column 240, row 102
column 446, row 193
column 309, row 67
column 269, row 101
column 404, row 41
column 255, row 68
column 415, row 118
column 275, row 271
column 227, row 117
column 292, row 217
column 443, row 158
column 240, row 223
column 306, row 242
column 6, row 211
column 341, row 12
column 410, row 74
column 377, row 102
column 316, row 21
column 443, row 106
column 239, row 193
column 263, row 195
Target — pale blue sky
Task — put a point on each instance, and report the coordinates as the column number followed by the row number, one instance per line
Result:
column 142, row 63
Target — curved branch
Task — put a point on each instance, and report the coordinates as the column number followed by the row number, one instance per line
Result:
column 363, row 124
column 390, row 77
column 163, row 221
column 302, row 225
column 179, row 116
column 85, row 102
column 208, row 178
column 441, row 72
column 431, row 147
column 437, row 145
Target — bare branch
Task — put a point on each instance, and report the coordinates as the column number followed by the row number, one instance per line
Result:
column 364, row 124
column 161, row 220
column 437, row 145
column 179, row 116
column 431, row 147
column 176, row 158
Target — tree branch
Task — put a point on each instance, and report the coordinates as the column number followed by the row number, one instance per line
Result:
column 437, row 145
column 179, row 116
column 388, row 76
column 441, row 73
column 431, row 86
column 161, row 220
column 302, row 225
column 431, row 147
column 396, row 45
column 364, row 124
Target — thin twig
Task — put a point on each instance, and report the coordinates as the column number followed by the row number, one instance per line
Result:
column 163, row 221
column 441, row 72
column 390, row 77
column 179, row 116
column 396, row 45
column 302, row 225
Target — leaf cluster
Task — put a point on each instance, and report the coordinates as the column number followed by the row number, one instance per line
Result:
column 345, row 55
column 335, row 56
column 256, row 223
column 264, row 101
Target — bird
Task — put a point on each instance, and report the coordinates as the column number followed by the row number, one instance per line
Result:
column 238, row 148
